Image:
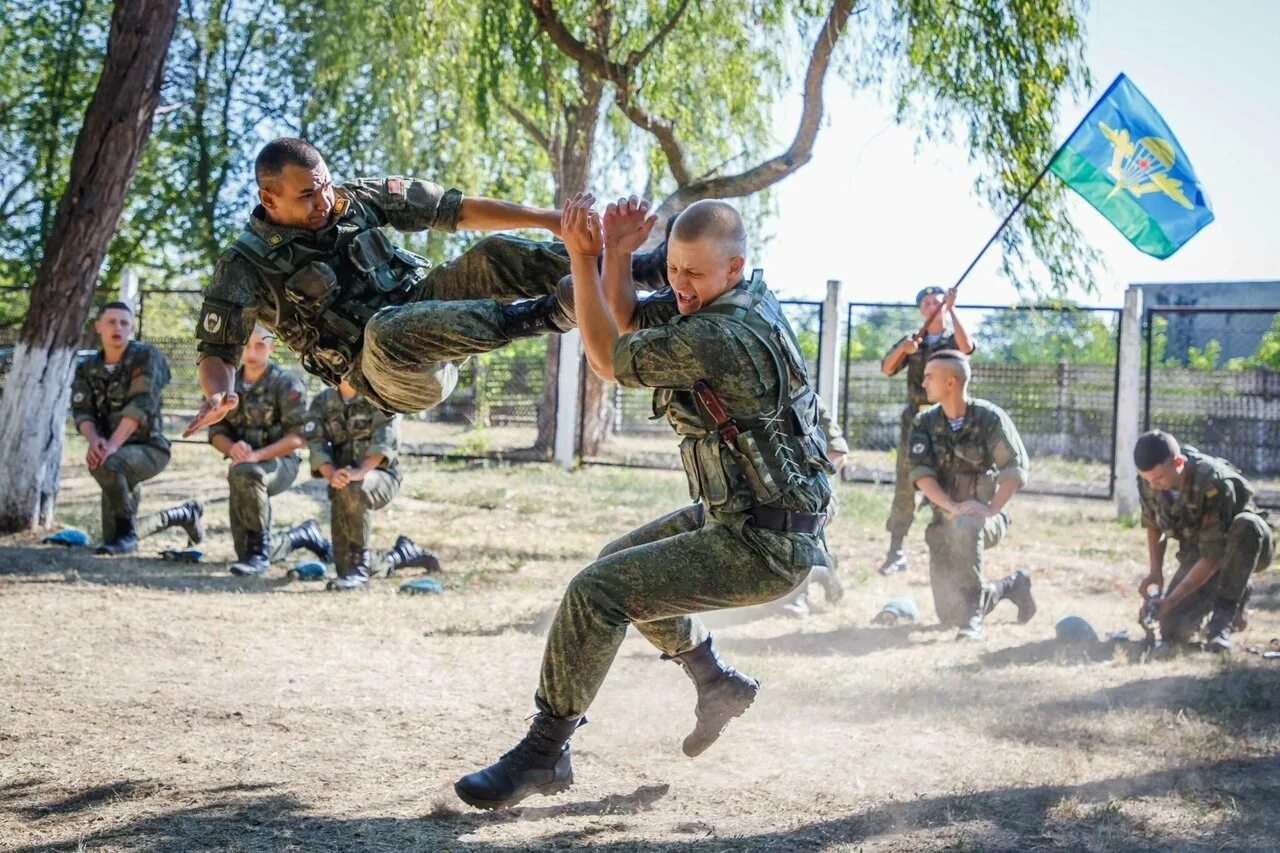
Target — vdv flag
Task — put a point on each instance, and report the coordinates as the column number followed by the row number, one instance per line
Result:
column 1126, row 162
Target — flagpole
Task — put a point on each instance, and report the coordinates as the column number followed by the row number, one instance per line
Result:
column 1021, row 201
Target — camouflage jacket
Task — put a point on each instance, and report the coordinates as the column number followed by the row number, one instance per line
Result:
column 240, row 293
column 1199, row 514
column 349, row 431
column 914, row 364
column 970, row 462
column 744, row 348
column 274, row 405
column 132, row 390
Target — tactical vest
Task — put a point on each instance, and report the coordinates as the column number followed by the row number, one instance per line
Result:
column 964, row 470
column 325, row 296
column 776, row 448
column 109, row 394
column 349, row 429
column 258, row 421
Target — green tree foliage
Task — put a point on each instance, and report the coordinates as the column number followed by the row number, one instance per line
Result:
column 876, row 330
column 1046, row 337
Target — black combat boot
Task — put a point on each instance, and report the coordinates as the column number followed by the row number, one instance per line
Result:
column 539, row 764
column 188, row 515
column 256, row 559
column 307, row 535
column 406, row 554
column 896, row 558
column 356, row 577
column 126, row 541
column 1016, row 588
column 723, row 693
column 1221, row 623
column 532, row 317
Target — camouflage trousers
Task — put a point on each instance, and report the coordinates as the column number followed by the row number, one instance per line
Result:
column 121, row 477
column 654, row 578
column 251, row 486
column 351, row 511
column 1251, row 548
column 411, row 352
column 903, row 510
column 956, row 549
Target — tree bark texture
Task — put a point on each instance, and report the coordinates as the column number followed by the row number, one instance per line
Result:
column 116, row 126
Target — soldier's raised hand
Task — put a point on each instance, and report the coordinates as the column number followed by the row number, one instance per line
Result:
column 214, row 408
column 949, row 300
column 627, row 224
column 910, row 344
column 580, row 226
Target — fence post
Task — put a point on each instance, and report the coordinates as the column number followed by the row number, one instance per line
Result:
column 1128, row 396
column 567, row 392
column 829, row 349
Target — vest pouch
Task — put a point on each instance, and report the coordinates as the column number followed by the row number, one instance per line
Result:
column 373, row 255
column 312, row 289
column 715, row 486
column 689, row 460
column 755, row 467
column 812, row 441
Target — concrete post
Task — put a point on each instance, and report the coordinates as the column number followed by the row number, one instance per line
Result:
column 829, row 349
column 568, row 390
column 1128, row 404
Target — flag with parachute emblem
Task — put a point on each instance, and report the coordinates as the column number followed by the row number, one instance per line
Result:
column 1127, row 163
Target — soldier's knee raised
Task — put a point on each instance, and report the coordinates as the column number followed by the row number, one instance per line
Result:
column 967, row 525
column 246, row 472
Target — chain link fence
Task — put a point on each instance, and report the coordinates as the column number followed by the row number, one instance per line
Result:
column 1052, row 368
column 636, row 438
column 1212, row 379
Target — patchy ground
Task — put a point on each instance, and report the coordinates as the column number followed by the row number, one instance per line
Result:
column 151, row 706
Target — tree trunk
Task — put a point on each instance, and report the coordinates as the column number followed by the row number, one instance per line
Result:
column 116, row 126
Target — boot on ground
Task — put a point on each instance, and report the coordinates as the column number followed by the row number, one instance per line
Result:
column 126, row 539
column 538, row 764
column 256, row 560
column 354, row 578
column 406, row 554
column 189, row 515
column 895, row 560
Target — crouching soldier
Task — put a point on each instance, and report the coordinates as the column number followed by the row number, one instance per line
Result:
column 115, row 402
column 968, row 460
column 354, row 447
column 1207, row 505
column 261, row 437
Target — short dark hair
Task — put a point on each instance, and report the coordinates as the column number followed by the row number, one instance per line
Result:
column 278, row 153
column 123, row 306
column 1154, row 448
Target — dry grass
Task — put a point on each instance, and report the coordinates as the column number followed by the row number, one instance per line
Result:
column 152, row 706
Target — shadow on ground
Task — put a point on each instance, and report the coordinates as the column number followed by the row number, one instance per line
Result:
column 55, row 564
column 1097, row 815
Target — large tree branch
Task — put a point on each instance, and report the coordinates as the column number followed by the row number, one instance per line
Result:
column 568, row 44
column 776, row 168
column 529, row 125
column 637, row 56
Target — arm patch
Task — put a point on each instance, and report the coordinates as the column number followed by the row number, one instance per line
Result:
column 218, row 322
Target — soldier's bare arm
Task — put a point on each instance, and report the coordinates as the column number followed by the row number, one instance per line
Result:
column 477, row 213
column 218, row 384
column 964, row 342
column 1157, row 545
column 932, row 489
column 897, row 356
column 627, row 224
column 127, row 427
column 1201, row 573
column 287, row 444
column 583, row 236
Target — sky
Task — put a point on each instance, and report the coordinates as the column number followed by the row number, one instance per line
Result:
column 885, row 219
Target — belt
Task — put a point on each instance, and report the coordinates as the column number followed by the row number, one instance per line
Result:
column 787, row 521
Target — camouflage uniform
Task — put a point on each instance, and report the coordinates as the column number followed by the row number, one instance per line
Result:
column 903, row 510
column 269, row 409
column 968, row 464
column 715, row 553
column 346, row 433
column 352, row 304
column 1213, row 515
column 102, row 398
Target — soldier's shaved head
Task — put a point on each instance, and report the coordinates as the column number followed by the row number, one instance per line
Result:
column 714, row 220
column 285, row 151
column 954, row 361
column 1155, row 448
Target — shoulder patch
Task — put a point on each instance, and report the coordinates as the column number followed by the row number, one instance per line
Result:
column 77, row 397
column 213, row 320
column 340, row 205
column 395, row 186
column 918, row 447
column 275, row 240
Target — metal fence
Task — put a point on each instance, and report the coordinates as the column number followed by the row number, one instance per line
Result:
column 635, row 438
column 1212, row 379
column 1052, row 368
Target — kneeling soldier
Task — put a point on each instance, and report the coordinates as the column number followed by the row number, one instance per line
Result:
column 354, row 448
column 115, row 401
column 968, row 460
column 262, row 437
column 1207, row 505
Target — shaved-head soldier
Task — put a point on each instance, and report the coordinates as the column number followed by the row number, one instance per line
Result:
column 1223, row 538
column 727, row 373
column 968, row 460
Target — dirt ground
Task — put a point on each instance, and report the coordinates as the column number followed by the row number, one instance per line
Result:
column 146, row 705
